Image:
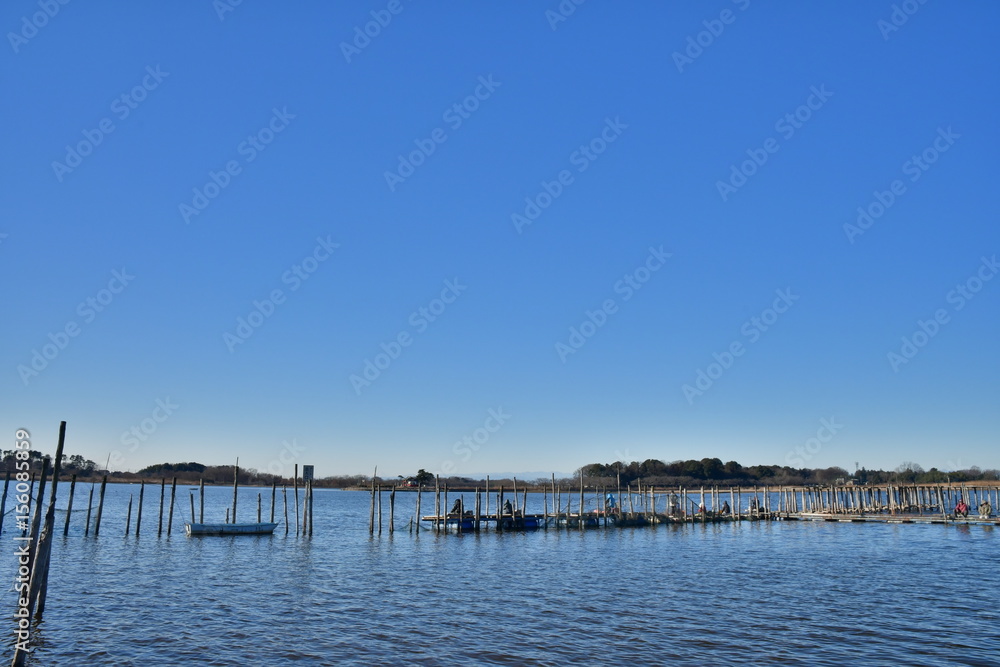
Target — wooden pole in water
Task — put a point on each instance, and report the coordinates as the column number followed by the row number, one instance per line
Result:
column 581, row 499
column 3, row 502
column 236, row 484
column 478, row 510
column 487, row 495
column 258, row 508
column 90, row 504
column 555, row 503
column 163, row 487
column 69, row 507
column 371, row 509
column 40, row 571
column 499, row 526
column 274, row 491
column 416, row 512
column 201, row 500
column 100, row 507
column 379, row 509
column 392, row 510
column 310, row 508
column 170, row 516
column 36, row 522
column 305, row 505
column 138, row 514
column 227, row 515
column 437, row 503
column 444, row 505
column 128, row 517
column 284, row 504
column 295, row 489
column 191, row 496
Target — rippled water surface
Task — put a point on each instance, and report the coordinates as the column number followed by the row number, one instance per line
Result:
column 789, row 593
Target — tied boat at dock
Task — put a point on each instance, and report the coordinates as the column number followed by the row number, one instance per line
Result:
column 194, row 529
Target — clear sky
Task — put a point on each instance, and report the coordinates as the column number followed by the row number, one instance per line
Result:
column 497, row 237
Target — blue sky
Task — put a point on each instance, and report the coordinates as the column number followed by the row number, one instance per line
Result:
column 591, row 212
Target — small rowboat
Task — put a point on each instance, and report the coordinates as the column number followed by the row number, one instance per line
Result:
column 229, row 528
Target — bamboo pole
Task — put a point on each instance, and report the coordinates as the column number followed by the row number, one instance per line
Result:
column 69, row 507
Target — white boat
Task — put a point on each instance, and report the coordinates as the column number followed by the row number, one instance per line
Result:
column 229, row 528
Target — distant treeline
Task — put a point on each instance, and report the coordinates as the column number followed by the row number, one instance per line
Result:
column 714, row 471
column 692, row 472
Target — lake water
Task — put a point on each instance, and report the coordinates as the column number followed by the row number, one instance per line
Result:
column 789, row 593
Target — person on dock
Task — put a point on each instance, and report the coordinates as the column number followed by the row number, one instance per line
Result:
column 725, row 507
column 457, row 507
column 985, row 509
column 610, row 503
column 507, row 509
column 961, row 509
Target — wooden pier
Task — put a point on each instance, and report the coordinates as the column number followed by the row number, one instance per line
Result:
column 560, row 508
